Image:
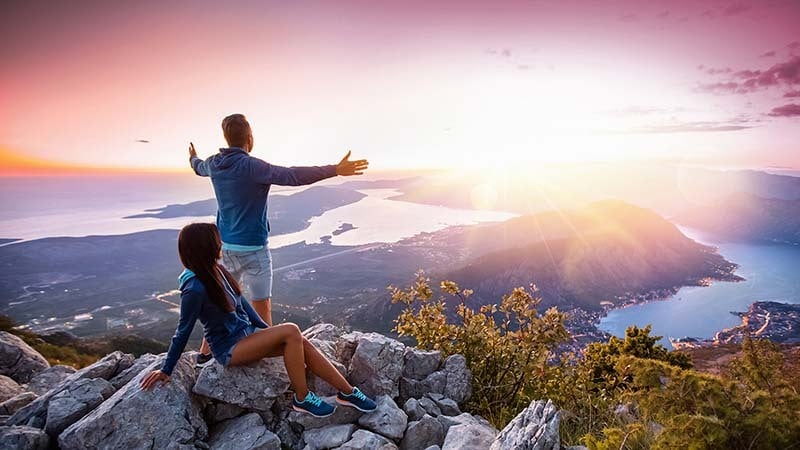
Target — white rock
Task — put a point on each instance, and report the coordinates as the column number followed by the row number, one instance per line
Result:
column 19, row 360
column 247, row 432
column 535, row 428
column 123, row 377
column 9, row 388
column 367, row 440
column 253, row 387
column 418, row 364
column 23, row 438
column 387, row 419
column 422, row 434
column 49, row 378
column 474, row 436
column 328, row 437
column 459, row 379
column 376, row 365
column 69, row 405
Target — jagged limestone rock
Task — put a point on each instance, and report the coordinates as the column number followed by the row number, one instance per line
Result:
column 422, row 433
column 430, row 406
column 435, row 382
column 108, row 366
column 418, row 364
column 247, row 432
column 387, row 419
column 253, row 387
column 446, row 406
column 534, row 428
column 461, row 419
column 9, row 388
column 342, row 415
column 23, row 438
column 217, row 412
column 48, row 379
column 376, row 365
column 469, row 436
column 33, row 414
column 324, row 332
column 164, row 417
column 16, row 402
column 18, row 360
column 367, row 440
column 459, row 379
column 139, row 364
column 413, row 409
column 69, row 405
column 328, row 437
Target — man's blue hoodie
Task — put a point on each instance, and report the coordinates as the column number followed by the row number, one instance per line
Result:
column 241, row 184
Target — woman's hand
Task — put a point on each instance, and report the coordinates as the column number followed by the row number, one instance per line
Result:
column 153, row 378
column 192, row 151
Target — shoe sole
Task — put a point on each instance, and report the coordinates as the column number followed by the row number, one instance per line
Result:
column 205, row 364
column 347, row 403
column 309, row 412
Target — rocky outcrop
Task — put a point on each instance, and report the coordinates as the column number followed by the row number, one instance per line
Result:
column 9, row 388
column 535, row 428
column 27, row 438
column 255, row 386
column 166, row 417
column 102, row 405
column 48, row 379
column 18, row 360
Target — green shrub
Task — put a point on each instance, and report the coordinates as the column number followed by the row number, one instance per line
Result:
column 507, row 346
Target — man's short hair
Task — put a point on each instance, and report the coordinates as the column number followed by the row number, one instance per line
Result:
column 236, row 130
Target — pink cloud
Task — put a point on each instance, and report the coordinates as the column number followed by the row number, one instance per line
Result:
column 792, row 94
column 785, row 73
column 790, row 110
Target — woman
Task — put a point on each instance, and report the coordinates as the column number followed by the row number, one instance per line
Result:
column 209, row 293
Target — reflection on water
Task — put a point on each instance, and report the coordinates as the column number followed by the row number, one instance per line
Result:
column 771, row 273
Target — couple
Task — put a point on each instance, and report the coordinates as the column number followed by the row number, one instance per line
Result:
column 235, row 332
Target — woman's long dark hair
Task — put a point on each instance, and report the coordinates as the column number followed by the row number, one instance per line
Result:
column 199, row 245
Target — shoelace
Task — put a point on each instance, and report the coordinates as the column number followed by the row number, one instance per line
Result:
column 313, row 399
column 359, row 395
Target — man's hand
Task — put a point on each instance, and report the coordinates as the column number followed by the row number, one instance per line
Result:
column 347, row 167
column 153, row 378
column 192, row 151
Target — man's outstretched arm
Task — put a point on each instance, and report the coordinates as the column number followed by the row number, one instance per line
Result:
column 265, row 173
column 198, row 165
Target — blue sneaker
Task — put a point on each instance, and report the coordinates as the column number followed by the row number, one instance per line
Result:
column 313, row 405
column 356, row 400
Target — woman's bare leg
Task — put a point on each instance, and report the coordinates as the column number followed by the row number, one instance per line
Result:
column 322, row 367
column 204, row 348
column 284, row 339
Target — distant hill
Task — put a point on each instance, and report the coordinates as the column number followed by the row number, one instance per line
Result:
column 610, row 251
column 747, row 217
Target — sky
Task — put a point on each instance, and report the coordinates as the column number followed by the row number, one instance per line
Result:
column 411, row 84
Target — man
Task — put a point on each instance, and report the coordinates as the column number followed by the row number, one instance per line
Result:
column 241, row 184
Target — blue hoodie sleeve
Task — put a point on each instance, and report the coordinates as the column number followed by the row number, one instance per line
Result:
column 199, row 166
column 265, row 173
column 255, row 319
column 191, row 303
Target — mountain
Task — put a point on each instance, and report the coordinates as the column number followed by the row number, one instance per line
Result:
column 747, row 217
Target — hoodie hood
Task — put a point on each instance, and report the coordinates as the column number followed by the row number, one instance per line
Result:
column 184, row 277
column 226, row 158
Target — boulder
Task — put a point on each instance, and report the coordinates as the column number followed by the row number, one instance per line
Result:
column 164, row 417
column 23, row 438
column 422, row 433
column 69, row 405
column 123, row 377
column 434, row 447
column 430, row 407
column 18, row 360
column 411, row 388
column 253, row 387
column 346, row 346
column 367, row 440
column 217, row 412
column 108, row 366
column 446, row 406
column 470, row 436
column 376, row 365
column 34, row 413
column 418, row 364
column 49, row 378
column 15, row 403
column 9, row 388
column 461, row 419
column 534, row 428
column 247, row 432
column 413, row 409
column 324, row 332
column 459, row 379
column 387, row 419
column 328, row 437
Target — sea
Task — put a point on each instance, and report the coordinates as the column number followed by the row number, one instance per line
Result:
column 771, row 273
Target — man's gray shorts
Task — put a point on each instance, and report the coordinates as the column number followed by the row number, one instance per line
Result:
column 253, row 270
